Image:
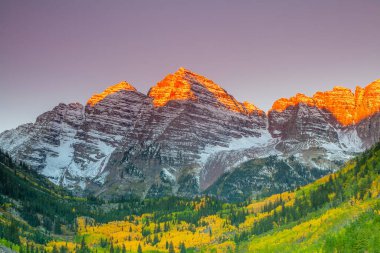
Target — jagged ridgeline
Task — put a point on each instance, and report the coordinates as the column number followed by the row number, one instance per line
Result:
column 188, row 135
column 337, row 213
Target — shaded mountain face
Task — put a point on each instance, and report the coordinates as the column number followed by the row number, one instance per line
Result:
column 187, row 132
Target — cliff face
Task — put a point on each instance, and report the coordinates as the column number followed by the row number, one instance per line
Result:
column 187, row 132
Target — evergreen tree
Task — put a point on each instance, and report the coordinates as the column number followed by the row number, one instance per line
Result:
column 111, row 248
column 103, row 243
column 13, row 233
column 83, row 247
column 139, row 249
column 171, row 248
column 155, row 239
column 182, row 248
column 63, row 249
column 55, row 250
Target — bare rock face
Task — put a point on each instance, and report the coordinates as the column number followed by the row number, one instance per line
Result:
column 188, row 135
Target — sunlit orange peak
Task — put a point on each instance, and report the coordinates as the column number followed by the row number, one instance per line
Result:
column 110, row 90
column 347, row 107
column 172, row 87
column 178, row 86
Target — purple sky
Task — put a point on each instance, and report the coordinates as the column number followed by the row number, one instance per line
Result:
column 64, row 51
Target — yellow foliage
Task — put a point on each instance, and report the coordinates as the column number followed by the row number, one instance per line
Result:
column 307, row 232
column 59, row 244
column 258, row 206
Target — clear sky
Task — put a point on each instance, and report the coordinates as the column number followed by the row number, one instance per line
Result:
column 64, row 51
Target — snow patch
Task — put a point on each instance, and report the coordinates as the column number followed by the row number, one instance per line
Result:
column 263, row 140
column 168, row 175
column 350, row 141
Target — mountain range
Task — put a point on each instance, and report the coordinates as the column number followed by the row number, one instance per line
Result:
column 188, row 136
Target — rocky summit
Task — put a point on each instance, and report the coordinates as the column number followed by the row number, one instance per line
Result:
column 188, row 136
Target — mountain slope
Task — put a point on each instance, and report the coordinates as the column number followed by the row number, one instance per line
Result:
column 320, row 216
column 341, row 213
column 263, row 177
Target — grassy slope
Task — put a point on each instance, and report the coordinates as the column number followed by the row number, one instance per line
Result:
column 312, row 234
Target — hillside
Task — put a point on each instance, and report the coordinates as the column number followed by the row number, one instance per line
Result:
column 319, row 216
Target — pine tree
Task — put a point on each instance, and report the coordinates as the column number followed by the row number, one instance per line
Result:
column 139, row 249
column 83, row 244
column 111, row 248
column 155, row 239
column 182, row 248
column 171, row 248
column 55, row 250
column 63, row 249
column 14, row 233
